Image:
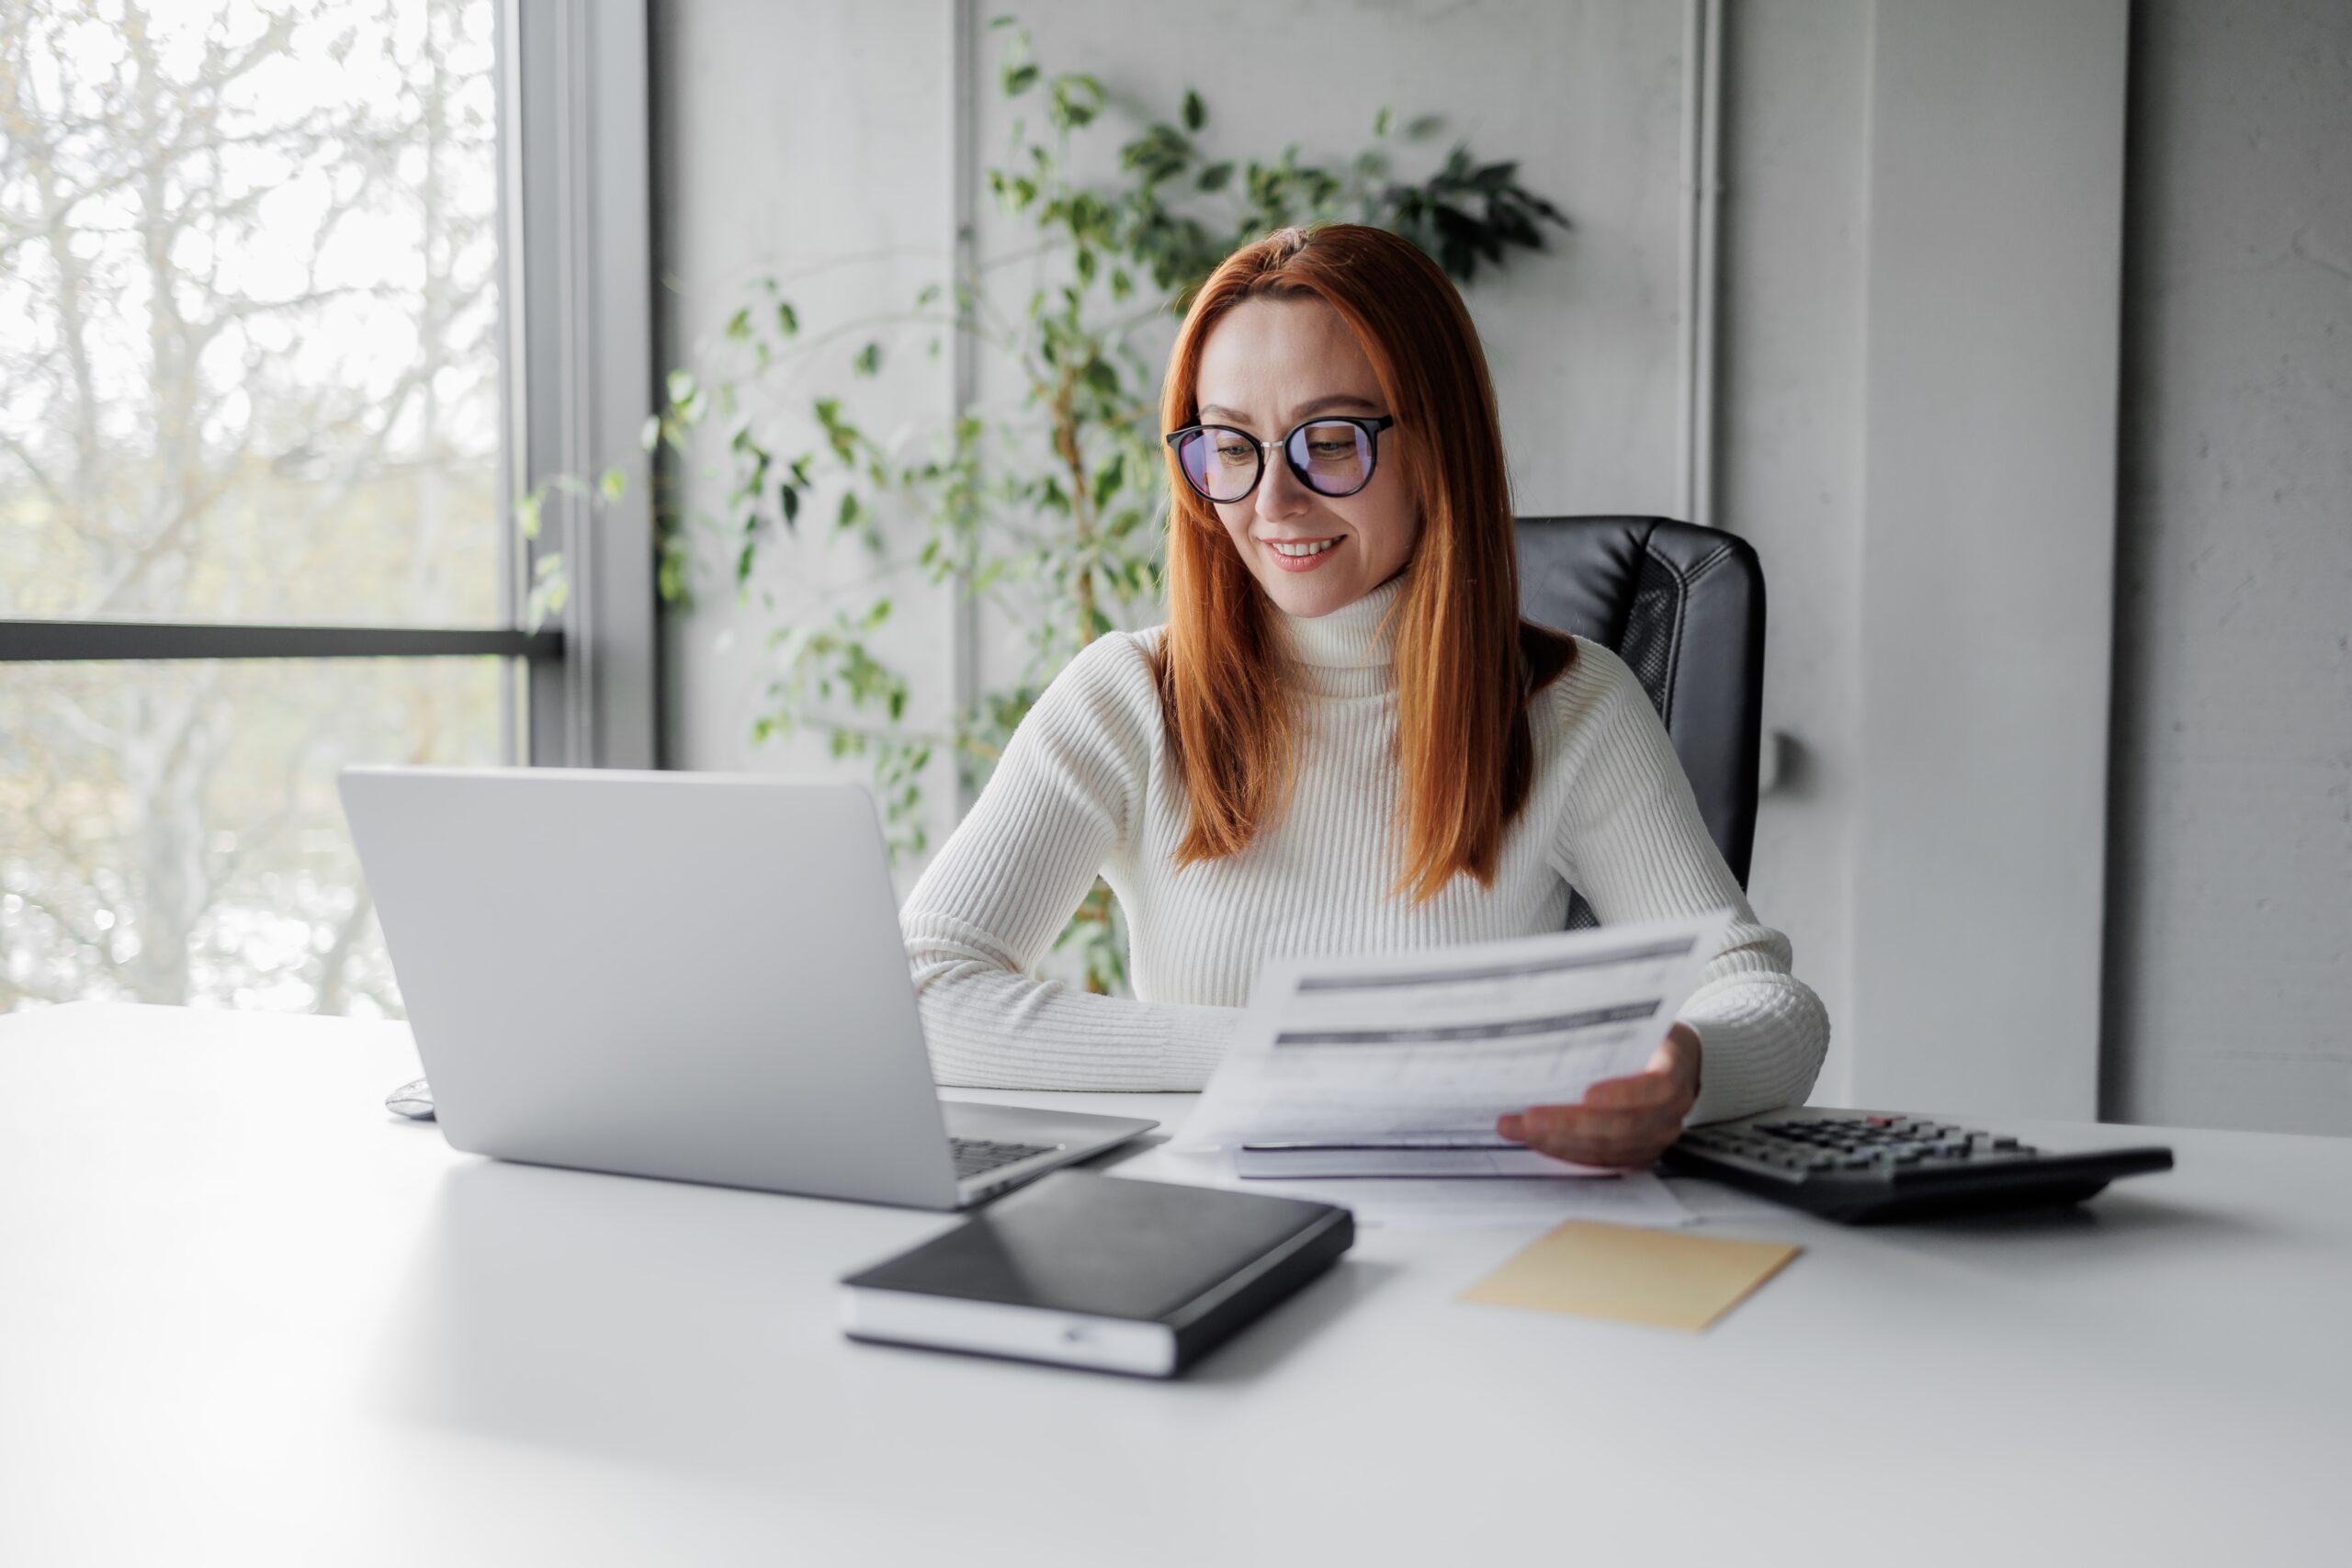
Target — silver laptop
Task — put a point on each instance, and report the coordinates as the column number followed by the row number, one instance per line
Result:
column 690, row 975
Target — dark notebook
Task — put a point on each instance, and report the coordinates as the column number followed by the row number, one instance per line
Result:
column 1099, row 1271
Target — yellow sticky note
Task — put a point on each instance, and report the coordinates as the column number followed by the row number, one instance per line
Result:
column 1636, row 1276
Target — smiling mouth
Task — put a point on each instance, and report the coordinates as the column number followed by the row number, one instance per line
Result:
column 1301, row 549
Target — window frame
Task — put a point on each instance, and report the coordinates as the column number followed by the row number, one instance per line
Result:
column 576, row 301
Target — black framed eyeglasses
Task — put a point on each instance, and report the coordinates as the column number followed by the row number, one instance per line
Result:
column 1332, row 455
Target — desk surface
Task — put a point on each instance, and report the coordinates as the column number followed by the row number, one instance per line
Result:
column 248, row 1316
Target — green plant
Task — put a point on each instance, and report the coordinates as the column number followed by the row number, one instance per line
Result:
column 1050, row 510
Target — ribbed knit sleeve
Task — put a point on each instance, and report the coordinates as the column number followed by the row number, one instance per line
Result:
column 1062, row 801
column 1630, row 839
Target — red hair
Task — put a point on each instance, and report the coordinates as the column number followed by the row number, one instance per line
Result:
column 1466, row 664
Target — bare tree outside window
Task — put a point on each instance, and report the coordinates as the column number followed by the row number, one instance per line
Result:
column 249, row 372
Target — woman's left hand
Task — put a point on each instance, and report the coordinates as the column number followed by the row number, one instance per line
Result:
column 1626, row 1122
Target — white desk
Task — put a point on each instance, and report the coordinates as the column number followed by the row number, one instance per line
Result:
column 248, row 1317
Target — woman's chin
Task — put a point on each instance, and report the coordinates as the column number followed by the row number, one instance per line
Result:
column 1308, row 597
column 1331, row 583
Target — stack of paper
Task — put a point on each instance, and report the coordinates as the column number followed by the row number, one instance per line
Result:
column 1625, row 1198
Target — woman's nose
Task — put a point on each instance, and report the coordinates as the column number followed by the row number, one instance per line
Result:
column 1281, row 496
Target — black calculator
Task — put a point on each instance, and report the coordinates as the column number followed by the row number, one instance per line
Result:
column 1859, row 1167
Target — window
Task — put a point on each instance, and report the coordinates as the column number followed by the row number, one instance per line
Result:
column 290, row 305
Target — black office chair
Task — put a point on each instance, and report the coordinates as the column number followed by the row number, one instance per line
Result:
column 1684, row 606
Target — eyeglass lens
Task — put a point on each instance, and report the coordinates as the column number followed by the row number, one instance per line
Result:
column 1333, row 458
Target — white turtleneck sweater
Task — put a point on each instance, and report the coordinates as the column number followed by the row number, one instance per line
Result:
column 1088, row 786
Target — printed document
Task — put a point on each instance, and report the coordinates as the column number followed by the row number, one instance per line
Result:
column 1424, row 1050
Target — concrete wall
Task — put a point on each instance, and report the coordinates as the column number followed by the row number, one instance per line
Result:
column 2227, row 905
column 1788, row 476
column 1994, row 244
column 774, row 126
column 1920, row 230
column 2230, row 900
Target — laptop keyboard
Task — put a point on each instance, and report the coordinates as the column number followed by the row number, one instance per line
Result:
column 975, row 1157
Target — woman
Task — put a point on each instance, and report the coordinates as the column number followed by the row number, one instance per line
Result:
column 1343, row 740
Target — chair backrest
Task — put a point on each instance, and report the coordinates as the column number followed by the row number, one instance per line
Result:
column 1684, row 606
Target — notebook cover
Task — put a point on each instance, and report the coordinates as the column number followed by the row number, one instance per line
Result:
column 1200, row 1261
